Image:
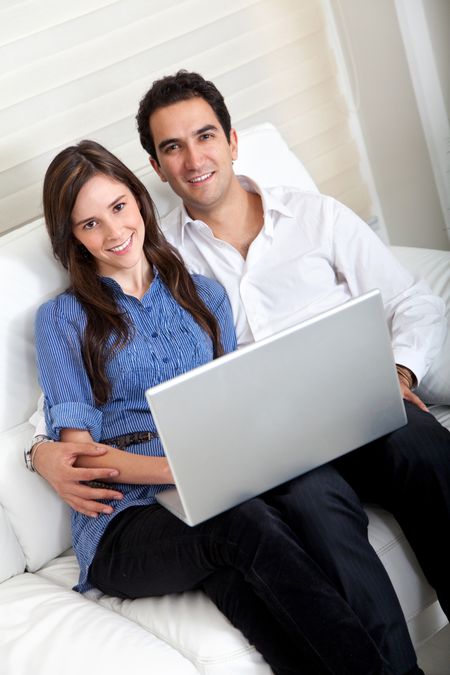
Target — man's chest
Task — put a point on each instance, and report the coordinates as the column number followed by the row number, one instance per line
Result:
column 281, row 281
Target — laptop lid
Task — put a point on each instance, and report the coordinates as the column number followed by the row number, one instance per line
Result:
column 242, row 424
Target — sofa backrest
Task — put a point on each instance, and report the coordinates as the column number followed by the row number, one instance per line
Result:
column 34, row 523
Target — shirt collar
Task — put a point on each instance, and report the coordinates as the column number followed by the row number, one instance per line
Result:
column 271, row 204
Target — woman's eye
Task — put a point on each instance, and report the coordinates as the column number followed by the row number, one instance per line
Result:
column 90, row 225
column 119, row 206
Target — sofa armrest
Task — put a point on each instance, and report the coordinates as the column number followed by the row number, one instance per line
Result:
column 433, row 267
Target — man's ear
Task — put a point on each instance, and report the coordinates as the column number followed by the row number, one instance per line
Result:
column 233, row 144
column 158, row 169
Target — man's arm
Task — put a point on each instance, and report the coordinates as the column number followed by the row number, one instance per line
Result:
column 415, row 316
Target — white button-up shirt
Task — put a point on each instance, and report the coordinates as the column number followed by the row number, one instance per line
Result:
column 311, row 254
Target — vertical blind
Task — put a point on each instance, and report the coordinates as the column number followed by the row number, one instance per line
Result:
column 78, row 70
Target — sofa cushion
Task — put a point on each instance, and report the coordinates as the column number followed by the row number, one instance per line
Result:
column 442, row 414
column 48, row 630
column 40, row 520
column 12, row 559
column 434, row 268
column 200, row 631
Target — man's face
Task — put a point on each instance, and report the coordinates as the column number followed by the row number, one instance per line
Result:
column 194, row 155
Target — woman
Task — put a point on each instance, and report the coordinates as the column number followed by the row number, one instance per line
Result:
column 134, row 317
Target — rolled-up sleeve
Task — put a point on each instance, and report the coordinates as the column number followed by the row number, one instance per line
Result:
column 69, row 402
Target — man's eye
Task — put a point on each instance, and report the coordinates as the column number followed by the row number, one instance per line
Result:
column 206, row 137
column 170, row 148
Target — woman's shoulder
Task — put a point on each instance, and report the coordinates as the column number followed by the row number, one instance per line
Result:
column 210, row 290
column 64, row 305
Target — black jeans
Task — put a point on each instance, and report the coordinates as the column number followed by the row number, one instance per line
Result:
column 250, row 563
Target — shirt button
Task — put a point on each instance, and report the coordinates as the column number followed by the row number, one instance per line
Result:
column 154, row 335
column 165, row 360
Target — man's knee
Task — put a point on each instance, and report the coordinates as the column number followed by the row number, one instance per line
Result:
column 320, row 498
column 422, row 445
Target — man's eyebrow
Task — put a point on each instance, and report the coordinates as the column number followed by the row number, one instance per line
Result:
column 198, row 132
column 167, row 141
column 207, row 127
column 86, row 220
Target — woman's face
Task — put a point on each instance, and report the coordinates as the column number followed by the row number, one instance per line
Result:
column 107, row 220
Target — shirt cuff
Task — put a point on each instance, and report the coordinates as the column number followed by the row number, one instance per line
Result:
column 411, row 360
column 75, row 415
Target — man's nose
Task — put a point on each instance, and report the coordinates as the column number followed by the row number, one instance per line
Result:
column 192, row 157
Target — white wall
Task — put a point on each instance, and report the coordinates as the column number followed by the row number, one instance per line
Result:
column 438, row 17
column 390, row 121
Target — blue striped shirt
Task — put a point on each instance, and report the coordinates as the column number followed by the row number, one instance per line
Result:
column 166, row 342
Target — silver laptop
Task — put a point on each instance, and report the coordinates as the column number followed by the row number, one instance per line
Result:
column 253, row 419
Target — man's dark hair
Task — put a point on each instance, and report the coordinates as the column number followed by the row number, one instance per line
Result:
column 174, row 88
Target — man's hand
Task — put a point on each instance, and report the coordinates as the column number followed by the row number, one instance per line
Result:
column 408, row 395
column 55, row 462
column 407, row 378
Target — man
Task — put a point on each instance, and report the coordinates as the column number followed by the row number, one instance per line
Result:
column 283, row 256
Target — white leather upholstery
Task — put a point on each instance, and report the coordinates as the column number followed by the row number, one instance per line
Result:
column 41, row 522
column 47, row 630
column 12, row 559
column 28, row 275
column 42, row 622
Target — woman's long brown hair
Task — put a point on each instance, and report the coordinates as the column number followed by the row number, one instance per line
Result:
column 66, row 175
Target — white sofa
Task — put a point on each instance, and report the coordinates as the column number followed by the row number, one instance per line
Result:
column 45, row 627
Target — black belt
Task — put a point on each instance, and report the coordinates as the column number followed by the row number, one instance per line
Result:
column 130, row 439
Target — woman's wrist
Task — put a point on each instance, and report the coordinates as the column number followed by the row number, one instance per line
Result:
column 30, row 453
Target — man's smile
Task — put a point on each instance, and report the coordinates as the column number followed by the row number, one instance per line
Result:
column 202, row 178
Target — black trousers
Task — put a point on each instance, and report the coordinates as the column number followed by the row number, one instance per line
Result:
column 273, row 564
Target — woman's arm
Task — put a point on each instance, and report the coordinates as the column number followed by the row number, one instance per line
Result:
column 138, row 469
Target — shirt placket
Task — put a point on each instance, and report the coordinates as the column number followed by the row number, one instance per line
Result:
column 253, row 279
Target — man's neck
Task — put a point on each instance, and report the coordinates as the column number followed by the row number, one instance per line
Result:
column 237, row 221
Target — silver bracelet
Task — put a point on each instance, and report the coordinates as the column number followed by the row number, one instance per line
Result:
column 29, row 453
